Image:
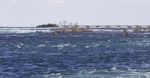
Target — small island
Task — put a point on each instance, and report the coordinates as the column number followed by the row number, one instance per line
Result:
column 47, row 25
column 65, row 28
column 75, row 28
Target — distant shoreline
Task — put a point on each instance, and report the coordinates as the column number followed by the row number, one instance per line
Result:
column 79, row 25
column 94, row 28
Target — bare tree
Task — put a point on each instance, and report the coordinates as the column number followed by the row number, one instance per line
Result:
column 63, row 24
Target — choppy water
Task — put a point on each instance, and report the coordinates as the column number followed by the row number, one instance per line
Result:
column 102, row 55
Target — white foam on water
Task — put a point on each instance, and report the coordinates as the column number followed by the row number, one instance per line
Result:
column 92, row 45
column 62, row 45
column 87, row 46
column 92, row 71
column 66, row 45
column 41, row 45
column 113, row 69
column 20, row 45
column 53, row 54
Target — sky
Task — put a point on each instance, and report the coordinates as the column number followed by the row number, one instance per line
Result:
column 85, row 12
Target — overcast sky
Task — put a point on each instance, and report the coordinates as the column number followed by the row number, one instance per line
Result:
column 102, row 12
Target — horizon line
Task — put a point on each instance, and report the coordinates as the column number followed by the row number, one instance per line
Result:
column 91, row 25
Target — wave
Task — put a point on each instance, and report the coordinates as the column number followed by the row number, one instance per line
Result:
column 101, row 73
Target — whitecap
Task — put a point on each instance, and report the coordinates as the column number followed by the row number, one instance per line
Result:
column 41, row 45
column 20, row 45
column 53, row 54
column 55, row 74
column 66, row 44
column 82, row 71
column 58, row 46
column 92, row 71
column 87, row 46
column 61, row 45
column 113, row 69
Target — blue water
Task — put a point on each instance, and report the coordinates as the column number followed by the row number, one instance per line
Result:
column 99, row 55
